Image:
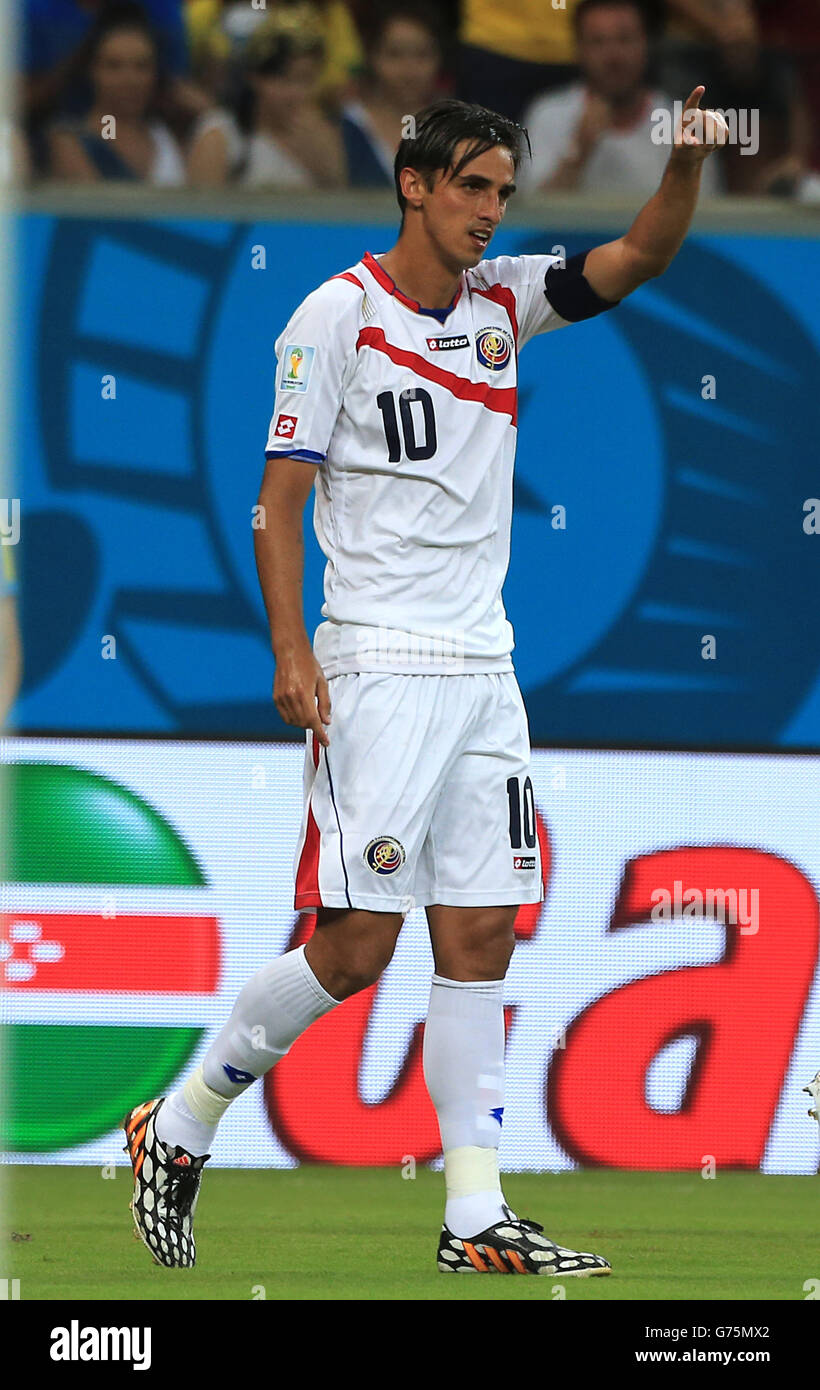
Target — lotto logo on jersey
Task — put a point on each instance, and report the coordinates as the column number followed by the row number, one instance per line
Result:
column 286, row 426
column 459, row 340
column 494, row 348
column 296, row 364
column 384, row 855
column 523, row 861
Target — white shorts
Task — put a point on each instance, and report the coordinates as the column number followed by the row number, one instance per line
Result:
column 422, row 797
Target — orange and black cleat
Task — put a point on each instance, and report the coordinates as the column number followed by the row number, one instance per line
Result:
column 166, row 1189
column 515, row 1247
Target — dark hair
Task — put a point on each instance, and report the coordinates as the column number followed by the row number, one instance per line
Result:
column 271, row 51
column 586, row 7
column 444, row 125
column 415, row 13
column 116, row 18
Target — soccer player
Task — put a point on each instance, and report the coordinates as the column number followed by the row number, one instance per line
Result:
column 396, row 400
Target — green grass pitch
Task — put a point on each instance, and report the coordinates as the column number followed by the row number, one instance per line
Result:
column 364, row 1233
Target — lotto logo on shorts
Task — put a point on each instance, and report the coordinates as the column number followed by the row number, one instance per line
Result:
column 285, row 426
column 384, row 855
column 523, row 861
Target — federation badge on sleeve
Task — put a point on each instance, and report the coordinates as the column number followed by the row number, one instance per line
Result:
column 296, row 364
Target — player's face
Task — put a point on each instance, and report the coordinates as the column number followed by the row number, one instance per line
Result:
column 463, row 211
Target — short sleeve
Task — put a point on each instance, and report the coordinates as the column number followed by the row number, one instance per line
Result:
column 547, row 293
column 314, row 359
column 520, row 279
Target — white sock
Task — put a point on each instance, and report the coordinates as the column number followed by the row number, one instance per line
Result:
column 474, row 1197
column 464, row 1072
column 276, row 1005
column 177, row 1123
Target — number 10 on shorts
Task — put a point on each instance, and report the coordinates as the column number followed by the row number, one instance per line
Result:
column 522, row 813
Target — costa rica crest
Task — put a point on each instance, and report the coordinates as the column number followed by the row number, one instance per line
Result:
column 384, row 855
column 493, row 348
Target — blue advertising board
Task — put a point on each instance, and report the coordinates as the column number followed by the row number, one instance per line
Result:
column 144, row 393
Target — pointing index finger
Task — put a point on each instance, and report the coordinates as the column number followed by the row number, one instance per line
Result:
column 693, row 99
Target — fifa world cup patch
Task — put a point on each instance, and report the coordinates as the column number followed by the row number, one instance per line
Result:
column 493, row 348
column 297, row 361
column 384, row 855
column 285, row 426
column 523, row 861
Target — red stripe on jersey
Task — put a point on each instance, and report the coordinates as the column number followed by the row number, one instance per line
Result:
column 346, row 275
column 307, row 873
column 500, row 294
column 504, row 399
column 388, row 283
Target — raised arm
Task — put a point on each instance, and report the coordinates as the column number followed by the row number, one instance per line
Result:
column 655, row 237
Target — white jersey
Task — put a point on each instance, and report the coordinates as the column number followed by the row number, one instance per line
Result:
column 410, row 416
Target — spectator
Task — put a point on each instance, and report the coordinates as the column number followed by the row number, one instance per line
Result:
column 56, row 35
column 119, row 138
column 511, row 52
column 596, row 134
column 694, row 30
column 218, row 31
column 749, row 78
column 792, row 27
column 403, row 55
column 281, row 138
column 720, row 45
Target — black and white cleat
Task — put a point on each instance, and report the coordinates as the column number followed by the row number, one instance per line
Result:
column 166, row 1189
column 513, row 1246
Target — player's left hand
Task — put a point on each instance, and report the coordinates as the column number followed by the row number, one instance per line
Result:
column 698, row 132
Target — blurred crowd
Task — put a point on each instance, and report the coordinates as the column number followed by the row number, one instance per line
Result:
column 300, row 94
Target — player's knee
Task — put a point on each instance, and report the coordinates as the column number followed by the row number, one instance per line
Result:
column 350, row 954
column 362, row 968
column 484, row 949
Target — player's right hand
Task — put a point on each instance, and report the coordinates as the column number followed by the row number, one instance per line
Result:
column 300, row 692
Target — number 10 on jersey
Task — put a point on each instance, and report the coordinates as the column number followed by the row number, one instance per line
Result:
column 414, row 448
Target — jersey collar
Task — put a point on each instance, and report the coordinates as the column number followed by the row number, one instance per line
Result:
column 388, row 283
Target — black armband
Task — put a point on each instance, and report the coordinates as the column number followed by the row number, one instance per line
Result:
column 571, row 295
